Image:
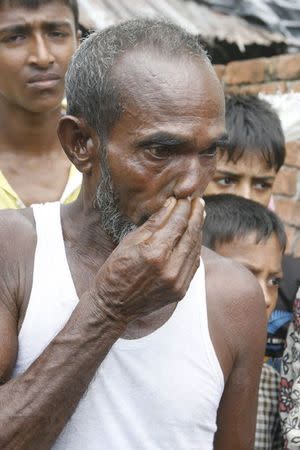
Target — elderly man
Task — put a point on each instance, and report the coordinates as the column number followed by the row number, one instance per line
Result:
column 114, row 333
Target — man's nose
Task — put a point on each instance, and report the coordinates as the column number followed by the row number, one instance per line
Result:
column 191, row 180
column 40, row 54
column 245, row 190
column 268, row 297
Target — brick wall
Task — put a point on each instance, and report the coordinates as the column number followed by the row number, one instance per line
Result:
column 270, row 76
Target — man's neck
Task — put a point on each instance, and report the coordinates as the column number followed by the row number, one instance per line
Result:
column 23, row 132
column 83, row 231
column 88, row 244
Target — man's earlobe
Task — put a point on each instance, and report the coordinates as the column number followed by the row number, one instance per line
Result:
column 79, row 142
column 78, row 37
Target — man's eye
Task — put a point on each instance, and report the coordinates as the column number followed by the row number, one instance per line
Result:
column 210, row 152
column 159, row 152
column 262, row 185
column 14, row 38
column 275, row 281
column 58, row 34
column 226, row 181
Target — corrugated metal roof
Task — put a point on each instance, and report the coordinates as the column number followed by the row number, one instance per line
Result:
column 277, row 15
column 198, row 19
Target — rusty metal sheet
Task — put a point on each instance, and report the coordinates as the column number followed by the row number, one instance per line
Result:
column 198, row 19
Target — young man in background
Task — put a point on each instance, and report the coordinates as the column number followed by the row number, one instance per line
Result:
column 255, row 152
column 251, row 234
column 37, row 40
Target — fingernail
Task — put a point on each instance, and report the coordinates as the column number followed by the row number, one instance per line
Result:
column 202, row 202
column 170, row 201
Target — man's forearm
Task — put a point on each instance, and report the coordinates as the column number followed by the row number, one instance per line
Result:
column 35, row 406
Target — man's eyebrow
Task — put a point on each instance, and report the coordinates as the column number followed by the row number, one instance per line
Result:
column 17, row 28
column 14, row 28
column 162, row 139
column 165, row 139
column 250, row 267
column 227, row 173
column 57, row 24
column 222, row 141
column 277, row 273
column 267, row 178
column 219, row 142
column 274, row 272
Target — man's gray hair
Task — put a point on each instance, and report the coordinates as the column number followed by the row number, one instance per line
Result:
column 93, row 92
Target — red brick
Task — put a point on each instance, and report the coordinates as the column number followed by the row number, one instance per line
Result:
column 220, row 70
column 286, row 182
column 290, row 232
column 284, row 67
column 250, row 89
column 293, row 86
column 245, row 72
column 288, row 210
column 265, row 88
column 232, row 89
column 293, row 154
column 274, row 87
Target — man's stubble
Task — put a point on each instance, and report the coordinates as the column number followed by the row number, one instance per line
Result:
column 114, row 223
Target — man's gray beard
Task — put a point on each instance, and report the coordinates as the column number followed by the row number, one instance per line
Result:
column 114, row 223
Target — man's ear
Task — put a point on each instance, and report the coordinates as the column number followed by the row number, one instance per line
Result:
column 79, row 141
column 78, row 37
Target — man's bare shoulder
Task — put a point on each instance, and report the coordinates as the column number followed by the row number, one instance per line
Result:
column 18, row 233
column 235, row 304
column 17, row 248
column 230, row 280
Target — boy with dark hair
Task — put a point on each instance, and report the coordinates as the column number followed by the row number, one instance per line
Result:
column 255, row 151
column 254, row 236
column 37, row 41
column 247, row 166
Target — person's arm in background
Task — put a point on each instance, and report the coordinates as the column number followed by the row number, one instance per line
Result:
column 277, row 436
column 268, row 427
column 289, row 391
column 277, row 443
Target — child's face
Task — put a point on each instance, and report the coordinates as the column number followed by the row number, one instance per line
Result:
column 263, row 259
column 249, row 177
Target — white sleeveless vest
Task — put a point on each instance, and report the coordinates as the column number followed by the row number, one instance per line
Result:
column 160, row 392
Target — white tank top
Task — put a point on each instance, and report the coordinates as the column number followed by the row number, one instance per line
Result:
column 160, row 392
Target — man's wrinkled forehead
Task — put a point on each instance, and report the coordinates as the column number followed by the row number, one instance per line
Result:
column 168, row 85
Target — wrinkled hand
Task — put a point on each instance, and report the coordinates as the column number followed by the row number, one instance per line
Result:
column 153, row 265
